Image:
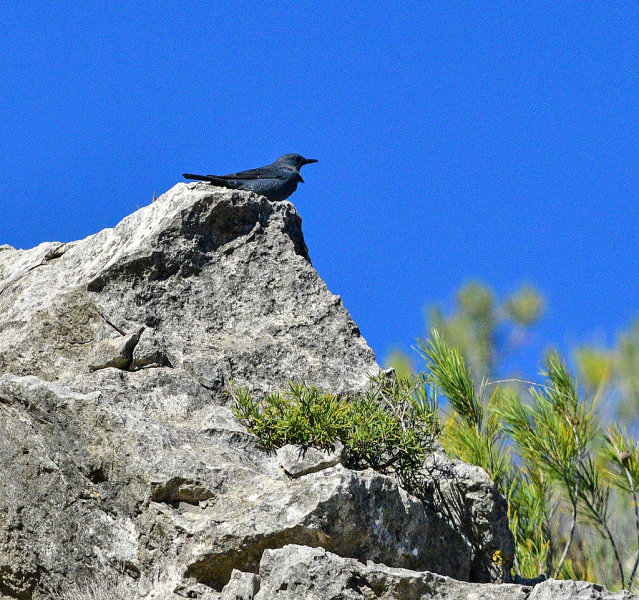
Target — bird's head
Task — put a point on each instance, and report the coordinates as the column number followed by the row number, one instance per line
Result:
column 295, row 161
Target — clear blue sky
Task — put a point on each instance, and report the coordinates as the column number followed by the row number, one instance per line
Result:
column 498, row 141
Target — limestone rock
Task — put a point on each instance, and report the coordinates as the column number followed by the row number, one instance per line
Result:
column 136, row 483
column 554, row 589
column 298, row 462
column 241, row 586
column 294, row 572
column 150, row 351
column 470, row 502
column 223, row 277
column 113, row 352
column 143, row 469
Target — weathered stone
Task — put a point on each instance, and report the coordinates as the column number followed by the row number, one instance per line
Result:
column 470, row 502
column 127, row 484
column 113, row 352
column 222, row 276
column 554, row 589
column 241, row 586
column 294, row 572
column 297, row 461
column 137, row 470
column 189, row 590
column 150, row 351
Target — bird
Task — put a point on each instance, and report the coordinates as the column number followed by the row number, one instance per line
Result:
column 276, row 181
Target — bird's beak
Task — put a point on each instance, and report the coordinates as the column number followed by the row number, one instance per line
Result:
column 308, row 161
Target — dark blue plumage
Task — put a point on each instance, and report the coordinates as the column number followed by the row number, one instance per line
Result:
column 276, row 181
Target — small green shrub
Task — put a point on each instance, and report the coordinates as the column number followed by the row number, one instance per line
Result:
column 391, row 428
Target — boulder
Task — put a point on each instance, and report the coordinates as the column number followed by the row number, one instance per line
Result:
column 469, row 501
column 113, row 352
column 97, row 478
column 120, row 457
column 222, row 277
column 293, row 572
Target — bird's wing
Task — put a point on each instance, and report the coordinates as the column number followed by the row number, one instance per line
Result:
column 260, row 173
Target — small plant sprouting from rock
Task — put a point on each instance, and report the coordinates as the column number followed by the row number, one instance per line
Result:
column 391, row 428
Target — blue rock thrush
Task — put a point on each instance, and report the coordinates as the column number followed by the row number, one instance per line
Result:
column 276, row 181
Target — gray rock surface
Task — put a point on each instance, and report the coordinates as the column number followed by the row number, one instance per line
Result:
column 298, row 462
column 97, row 479
column 119, row 454
column 113, row 352
column 223, row 277
column 554, row 589
column 294, row 572
column 468, row 500
column 241, row 586
column 150, row 351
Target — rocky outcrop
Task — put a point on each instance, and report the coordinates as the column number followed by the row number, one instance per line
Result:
column 294, row 572
column 221, row 280
column 119, row 454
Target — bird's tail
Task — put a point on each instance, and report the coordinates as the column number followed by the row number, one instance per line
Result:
column 214, row 180
column 197, row 177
